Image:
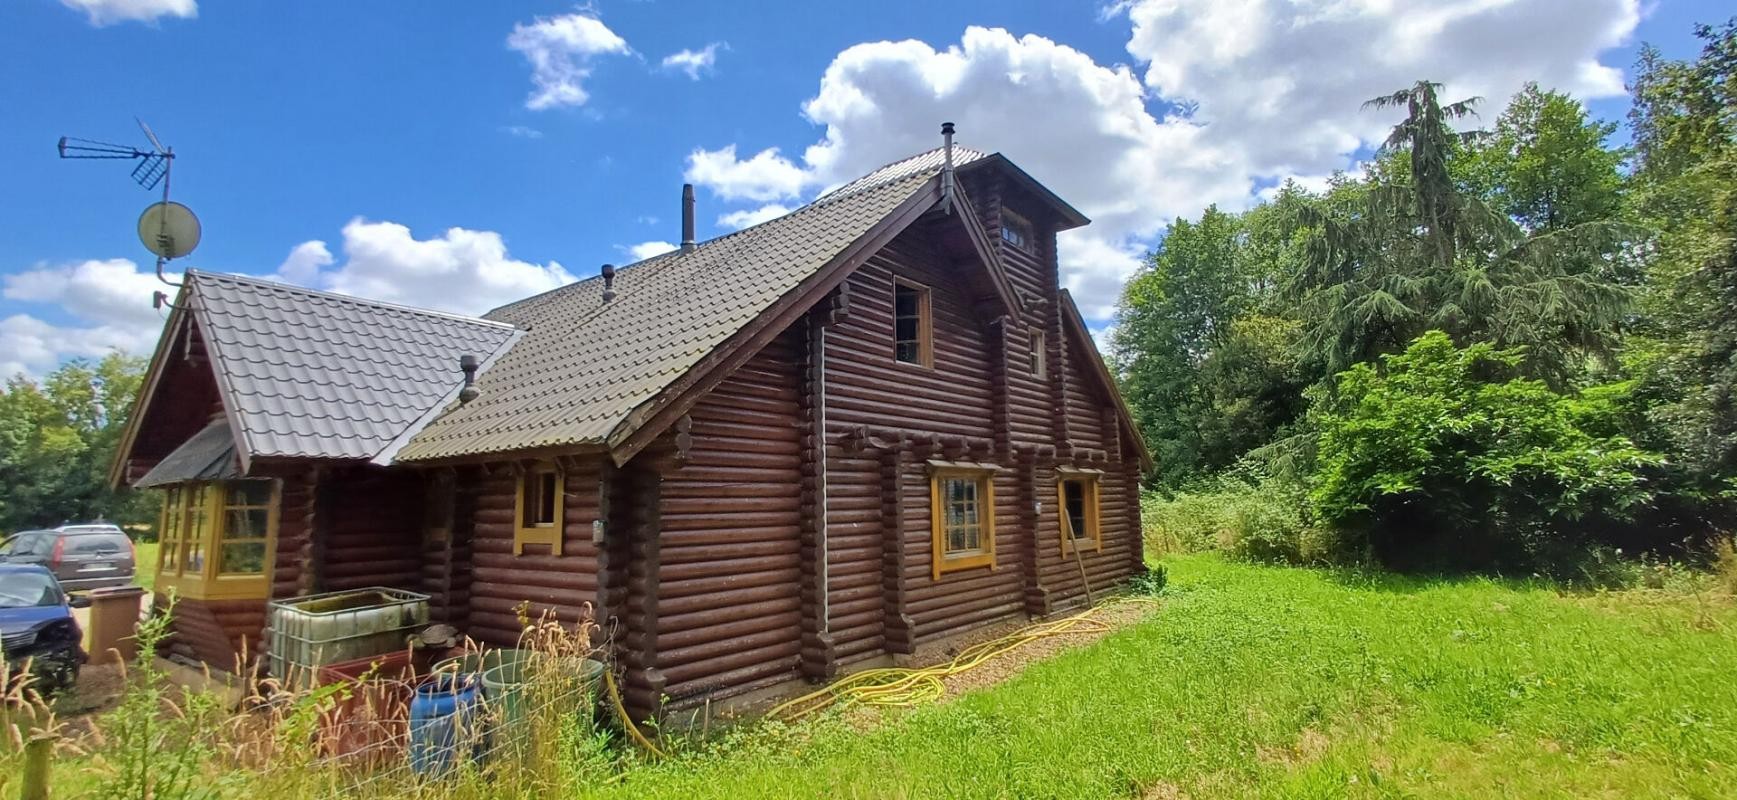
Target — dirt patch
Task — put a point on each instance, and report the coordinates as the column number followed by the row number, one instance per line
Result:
column 1114, row 617
column 1107, row 619
column 1163, row 790
column 1311, row 744
column 99, row 689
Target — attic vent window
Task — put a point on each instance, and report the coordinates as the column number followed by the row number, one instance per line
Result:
column 912, row 325
column 1016, row 231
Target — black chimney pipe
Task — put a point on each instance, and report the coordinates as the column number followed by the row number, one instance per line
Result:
column 687, row 217
column 608, row 282
column 947, row 179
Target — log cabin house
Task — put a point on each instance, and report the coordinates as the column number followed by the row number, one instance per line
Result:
column 802, row 448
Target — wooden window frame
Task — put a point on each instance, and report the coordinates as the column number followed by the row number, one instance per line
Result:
column 1094, row 538
column 209, row 582
column 1039, row 356
column 984, row 476
column 925, row 324
column 1021, row 225
column 545, row 533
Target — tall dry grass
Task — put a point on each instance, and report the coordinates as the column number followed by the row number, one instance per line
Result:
column 300, row 740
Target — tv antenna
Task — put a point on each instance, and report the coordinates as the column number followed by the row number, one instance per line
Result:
column 168, row 229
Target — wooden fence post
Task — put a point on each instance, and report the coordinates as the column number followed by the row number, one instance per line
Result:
column 37, row 754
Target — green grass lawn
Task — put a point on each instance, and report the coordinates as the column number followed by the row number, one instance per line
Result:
column 1274, row 682
column 145, row 564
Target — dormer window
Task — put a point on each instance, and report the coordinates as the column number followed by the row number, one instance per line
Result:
column 1016, row 231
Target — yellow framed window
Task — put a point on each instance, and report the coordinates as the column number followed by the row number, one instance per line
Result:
column 913, row 326
column 962, row 518
column 217, row 538
column 246, row 528
column 171, row 534
column 1077, row 496
column 539, row 508
column 199, row 531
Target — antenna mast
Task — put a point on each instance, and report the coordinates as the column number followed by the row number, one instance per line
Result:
column 167, row 229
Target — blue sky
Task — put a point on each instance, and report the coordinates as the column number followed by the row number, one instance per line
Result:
column 359, row 135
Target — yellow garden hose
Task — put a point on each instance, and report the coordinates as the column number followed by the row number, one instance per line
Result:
column 626, row 718
column 893, row 686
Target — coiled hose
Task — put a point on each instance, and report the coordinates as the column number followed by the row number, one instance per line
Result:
column 894, row 686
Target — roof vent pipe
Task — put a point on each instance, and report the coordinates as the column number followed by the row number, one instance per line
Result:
column 687, row 217
column 947, row 188
column 467, row 365
column 608, row 282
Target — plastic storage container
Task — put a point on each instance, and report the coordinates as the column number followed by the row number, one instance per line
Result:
column 310, row 632
column 480, row 661
column 366, row 722
column 444, row 723
column 506, row 691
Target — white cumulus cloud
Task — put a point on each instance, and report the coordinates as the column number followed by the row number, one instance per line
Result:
column 645, row 250
column 561, row 51
column 763, row 177
column 1226, row 97
column 109, row 12
column 693, row 63
column 107, row 305
column 461, row 270
column 1282, row 82
column 749, row 217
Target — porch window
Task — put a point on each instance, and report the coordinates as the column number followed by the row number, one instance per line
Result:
column 538, row 514
column 1039, row 355
column 216, row 538
column 962, row 517
column 1078, row 495
column 912, row 327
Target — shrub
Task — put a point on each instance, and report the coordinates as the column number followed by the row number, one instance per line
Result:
column 1725, row 564
column 1443, row 456
column 1151, row 582
column 1262, row 520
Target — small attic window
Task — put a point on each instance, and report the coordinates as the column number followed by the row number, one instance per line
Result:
column 1015, row 230
column 912, row 325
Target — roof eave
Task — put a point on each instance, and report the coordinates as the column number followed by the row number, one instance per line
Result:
column 1070, row 217
column 1077, row 325
column 147, row 390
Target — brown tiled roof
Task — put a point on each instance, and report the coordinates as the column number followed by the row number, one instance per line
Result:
column 308, row 374
column 584, row 366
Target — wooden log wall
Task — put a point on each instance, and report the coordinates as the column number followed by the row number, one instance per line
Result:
column 1063, row 418
column 216, row 632
column 727, row 611
column 373, row 529
column 882, row 596
column 499, row 581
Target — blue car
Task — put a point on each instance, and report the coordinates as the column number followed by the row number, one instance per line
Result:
column 37, row 629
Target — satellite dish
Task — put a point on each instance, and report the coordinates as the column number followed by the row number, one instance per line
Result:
column 169, row 229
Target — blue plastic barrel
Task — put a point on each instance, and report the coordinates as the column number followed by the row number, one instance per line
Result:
column 443, row 722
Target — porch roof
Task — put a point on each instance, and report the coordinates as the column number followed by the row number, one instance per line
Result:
column 208, row 456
